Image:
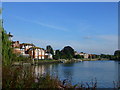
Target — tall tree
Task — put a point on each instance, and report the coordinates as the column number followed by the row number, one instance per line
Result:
column 49, row 49
column 67, row 52
column 7, row 55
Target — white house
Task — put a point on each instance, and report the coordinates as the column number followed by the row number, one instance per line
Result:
column 48, row 56
column 10, row 36
column 36, row 53
column 85, row 55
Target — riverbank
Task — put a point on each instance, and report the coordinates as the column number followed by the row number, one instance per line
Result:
column 38, row 62
column 95, row 59
column 35, row 62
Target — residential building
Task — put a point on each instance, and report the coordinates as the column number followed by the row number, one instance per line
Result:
column 36, row 53
column 15, row 44
column 17, row 51
column 10, row 36
column 26, row 46
column 85, row 55
column 48, row 56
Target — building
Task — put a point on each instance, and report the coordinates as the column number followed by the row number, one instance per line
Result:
column 26, row 46
column 48, row 56
column 29, row 50
column 17, row 51
column 10, row 36
column 92, row 56
column 36, row 53
column 21, row 49
column 15, row 44
column 85, row 55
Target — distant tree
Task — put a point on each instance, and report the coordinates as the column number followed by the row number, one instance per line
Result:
column 102, row 56
column 111, row 57
column 67, row 52
column 117, row 54
column 49, row 49
column 77, row 56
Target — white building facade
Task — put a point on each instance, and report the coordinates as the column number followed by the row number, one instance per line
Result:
column 37, row 53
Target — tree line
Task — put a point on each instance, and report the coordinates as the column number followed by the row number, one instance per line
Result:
column 68, row 53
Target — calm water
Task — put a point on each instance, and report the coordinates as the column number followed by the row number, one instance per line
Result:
column 104, row 71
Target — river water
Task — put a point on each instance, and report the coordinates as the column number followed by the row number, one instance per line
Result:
column 105, row 72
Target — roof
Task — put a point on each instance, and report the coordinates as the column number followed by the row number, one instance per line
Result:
column 15, row 41
column 36, row 48
column 9, row 34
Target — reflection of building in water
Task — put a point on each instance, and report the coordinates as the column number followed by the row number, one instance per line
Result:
column 39, row 70
column 43, row 69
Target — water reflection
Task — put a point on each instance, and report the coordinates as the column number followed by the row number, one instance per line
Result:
column 68, row 70
column 105, row 71
column 118, row 70
column 38, row 70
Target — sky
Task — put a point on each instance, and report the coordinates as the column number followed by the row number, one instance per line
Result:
column 90, row 27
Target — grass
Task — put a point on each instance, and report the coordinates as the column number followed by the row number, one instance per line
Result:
column 50, row 60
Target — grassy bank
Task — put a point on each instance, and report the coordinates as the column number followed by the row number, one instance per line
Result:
column 35, row 62
column 46, row 61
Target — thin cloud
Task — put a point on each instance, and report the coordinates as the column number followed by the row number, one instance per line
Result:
column 51, row 26
column 87, row 37
column 42, row 24
column 113, row 38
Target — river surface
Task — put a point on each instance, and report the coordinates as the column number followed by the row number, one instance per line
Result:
column 105, row 72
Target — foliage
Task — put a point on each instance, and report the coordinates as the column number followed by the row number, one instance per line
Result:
column 78, row 56
column 117, row 54
column 7, row 55
column 57, row 54
column 7, row 51
column 49, row 49
column 67, row 52
column 94, row 56
column 110, row 57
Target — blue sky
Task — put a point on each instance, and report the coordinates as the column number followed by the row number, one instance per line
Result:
column 88, row 27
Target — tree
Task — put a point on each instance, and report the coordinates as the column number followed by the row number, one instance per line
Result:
column 7, row 55
column 5, row 46
column 57, row 54
column 77, row 56
column 49, row 49
column 67, row 52
column 117, row 54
